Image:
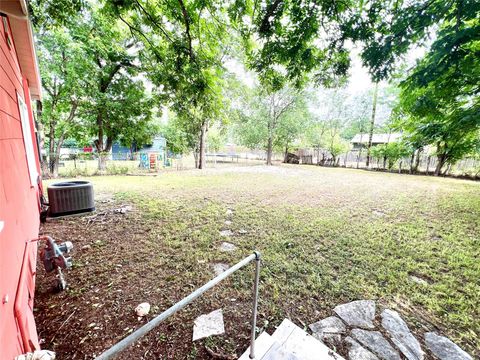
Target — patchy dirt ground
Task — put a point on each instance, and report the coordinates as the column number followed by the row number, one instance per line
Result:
column 327, row 236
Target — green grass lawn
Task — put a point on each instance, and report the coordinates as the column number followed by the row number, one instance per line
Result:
column 327, row 236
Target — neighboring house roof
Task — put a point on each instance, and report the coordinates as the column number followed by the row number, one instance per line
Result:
column 376, row 138
column 24, row 44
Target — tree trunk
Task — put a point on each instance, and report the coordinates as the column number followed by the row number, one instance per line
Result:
column 269, row 150
column 195, row 157
column 57, row 155
column 359, row 155
column 203, row 135
column 43, row 159
column 54, row 166
column 440, row 163
column 102, row 162
column 54, row 151
column 103, row 153
column 285, row 157
column 372, row 122
column 412, row 158
column 51, row 149
column 417, row 161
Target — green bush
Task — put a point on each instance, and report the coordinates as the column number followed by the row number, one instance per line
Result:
column 392, row 152
column 80, row 171
column 113, row 169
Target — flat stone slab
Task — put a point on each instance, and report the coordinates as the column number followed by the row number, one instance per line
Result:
column 242, row 231
column 376, row 343
column 300, row 344
column 358, row 352
column 226, row 246
column 401, row 335
column 123, row 209
column 219, row 268
column 226, row 233
column 418, row 280
column 228, row 222
column 328, row 338
column 331, row 324
column 208, row 325
column 443, row 348
column 323, row 329
column 358, row 313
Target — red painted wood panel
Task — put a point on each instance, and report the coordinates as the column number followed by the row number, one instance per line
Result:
column 11, row 62
column 11, row 87
column 11, row 70
column 11, row 55
column 33, row 130
column 19, row 214
column 10, row 128
column 8, row 105
column 2, row 32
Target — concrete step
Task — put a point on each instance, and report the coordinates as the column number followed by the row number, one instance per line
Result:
column 289, row 342
column 303, row 346
column 277, row 352
column 263, row 343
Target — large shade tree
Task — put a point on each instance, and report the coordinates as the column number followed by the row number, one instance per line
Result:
column 184, row 42
column 270, row 120
column 440, row 103
column 91, row 75
column 62, row 64
column 116, row 97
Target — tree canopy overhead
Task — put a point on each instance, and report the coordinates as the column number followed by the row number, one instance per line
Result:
column 440, row 103
column 388, row 29
column 181, row 46
column 285, row 40
column 90, row 74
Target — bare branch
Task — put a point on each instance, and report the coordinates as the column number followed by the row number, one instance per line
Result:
column 187, row 27
column 73, row 110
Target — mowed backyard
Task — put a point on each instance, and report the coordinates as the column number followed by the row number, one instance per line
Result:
column 327, row 236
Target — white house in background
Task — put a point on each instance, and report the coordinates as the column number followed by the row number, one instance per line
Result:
column 360, row 141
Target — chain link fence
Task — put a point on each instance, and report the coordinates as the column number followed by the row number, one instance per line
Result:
column 467, row 167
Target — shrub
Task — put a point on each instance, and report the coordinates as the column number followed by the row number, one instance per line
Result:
column 113, row 169
column 392, row 152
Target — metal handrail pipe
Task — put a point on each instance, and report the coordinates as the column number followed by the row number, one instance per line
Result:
column 121, row 345
column 255, row 305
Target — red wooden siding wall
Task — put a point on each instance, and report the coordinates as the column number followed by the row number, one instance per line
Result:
column 19, row 211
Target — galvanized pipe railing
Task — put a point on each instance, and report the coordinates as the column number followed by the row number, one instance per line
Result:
column 120, row 346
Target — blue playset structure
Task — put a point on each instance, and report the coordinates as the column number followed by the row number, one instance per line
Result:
column 155, row 152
